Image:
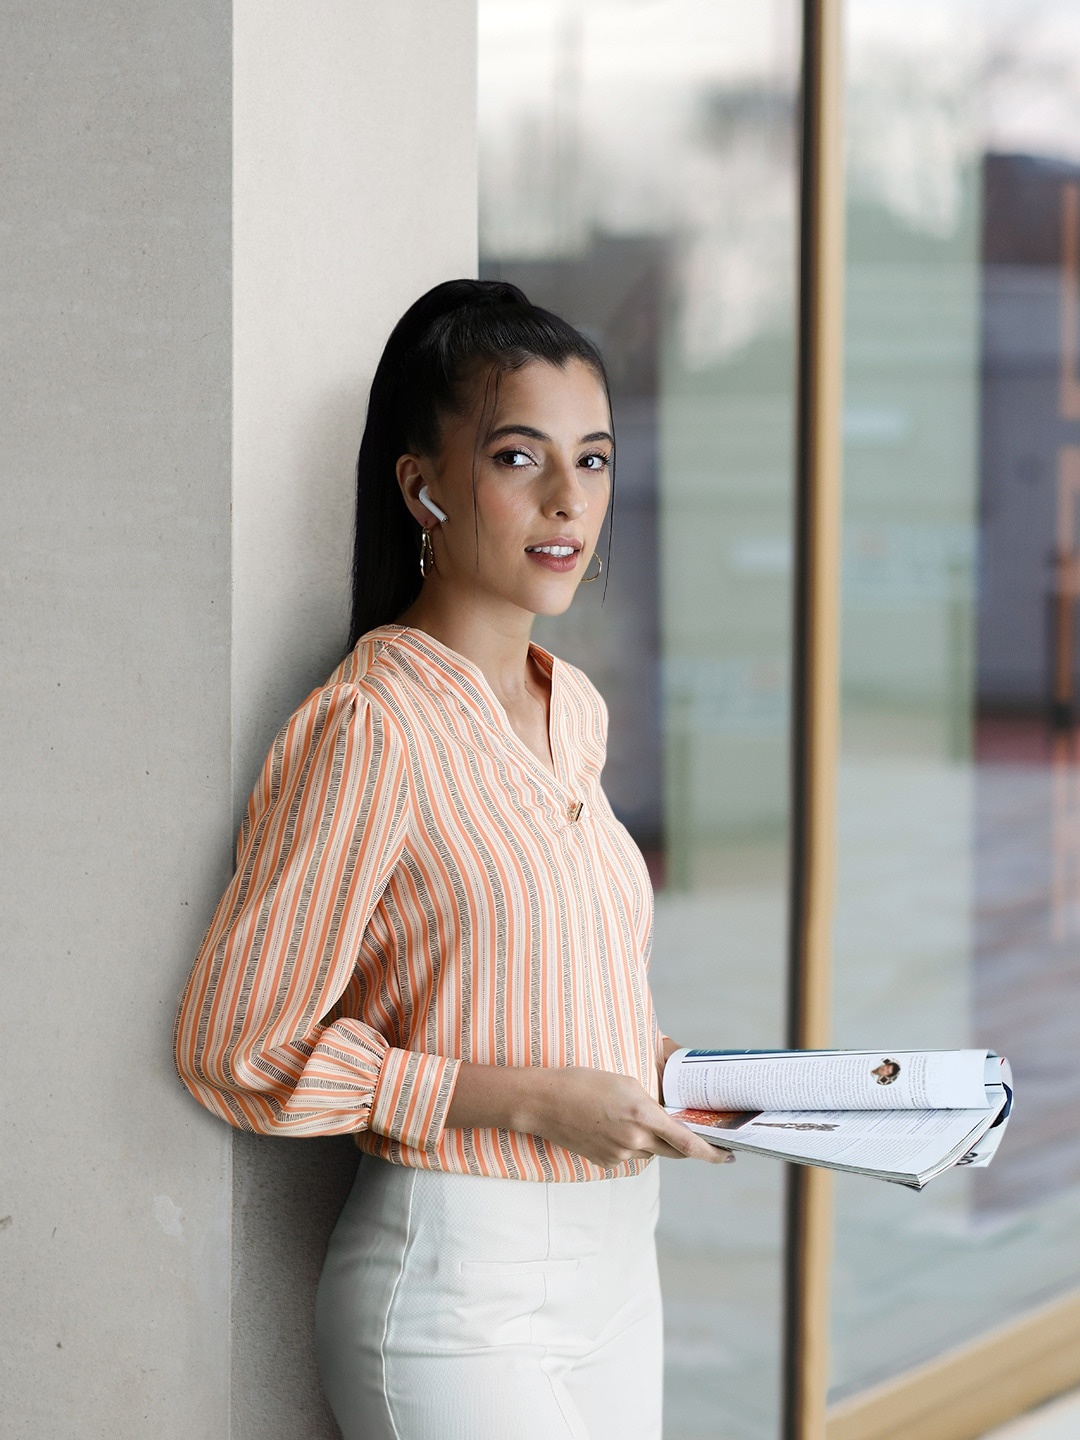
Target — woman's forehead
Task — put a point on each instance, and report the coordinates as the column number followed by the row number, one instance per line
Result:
column 552, row 398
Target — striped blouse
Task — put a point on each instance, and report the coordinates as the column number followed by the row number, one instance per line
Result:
column 414, row 889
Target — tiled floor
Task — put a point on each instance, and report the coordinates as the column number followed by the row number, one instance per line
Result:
column 1060, row 1420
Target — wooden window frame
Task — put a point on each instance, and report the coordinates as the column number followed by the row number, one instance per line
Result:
column 999, row 1374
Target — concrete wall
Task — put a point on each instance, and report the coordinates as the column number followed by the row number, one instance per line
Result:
column 212, row 215
column 355, row 190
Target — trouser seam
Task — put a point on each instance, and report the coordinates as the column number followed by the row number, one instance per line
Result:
column 390, row 1310
column 545, row 1369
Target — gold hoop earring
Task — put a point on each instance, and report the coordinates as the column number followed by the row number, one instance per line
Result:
column 427, row 554
column 588, row 579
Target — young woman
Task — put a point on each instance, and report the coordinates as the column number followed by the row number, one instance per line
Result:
column 437, row 935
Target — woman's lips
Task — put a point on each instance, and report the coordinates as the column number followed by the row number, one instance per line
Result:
column 555, row 555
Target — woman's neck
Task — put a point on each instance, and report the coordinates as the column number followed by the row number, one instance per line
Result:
column 497, row 644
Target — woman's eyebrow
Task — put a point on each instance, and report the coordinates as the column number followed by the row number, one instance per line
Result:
column 504, row 430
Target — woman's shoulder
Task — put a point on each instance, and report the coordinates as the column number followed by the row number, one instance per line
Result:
column 577, row 680
column 361, row 665
column 581, row 695
column 342, row 701
column 374, row 677
column 346, row 701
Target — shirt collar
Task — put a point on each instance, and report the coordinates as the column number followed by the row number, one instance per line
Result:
column 446, row 670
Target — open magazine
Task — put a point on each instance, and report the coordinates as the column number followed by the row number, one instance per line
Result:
column 899, row 1115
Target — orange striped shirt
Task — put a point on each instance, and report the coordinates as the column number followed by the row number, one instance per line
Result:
column 414, row 889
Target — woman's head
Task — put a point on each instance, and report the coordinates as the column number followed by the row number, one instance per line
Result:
column 468, row 366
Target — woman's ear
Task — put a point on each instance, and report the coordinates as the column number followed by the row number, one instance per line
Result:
column 418, row 499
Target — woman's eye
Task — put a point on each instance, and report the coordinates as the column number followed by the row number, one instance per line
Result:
column 595, row 461
column 515, row 459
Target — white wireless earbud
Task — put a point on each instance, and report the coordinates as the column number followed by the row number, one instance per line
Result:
column 429, row 504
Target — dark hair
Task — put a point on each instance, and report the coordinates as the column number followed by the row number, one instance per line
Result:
column 437, row 350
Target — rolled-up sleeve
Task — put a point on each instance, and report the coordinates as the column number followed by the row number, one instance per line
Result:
column 325, row 828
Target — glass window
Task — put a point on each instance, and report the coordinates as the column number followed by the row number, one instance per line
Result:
column 638, row 175
column 959, row 823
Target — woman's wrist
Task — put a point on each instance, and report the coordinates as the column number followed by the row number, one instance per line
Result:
column 502, row 1097
column 537, row 1092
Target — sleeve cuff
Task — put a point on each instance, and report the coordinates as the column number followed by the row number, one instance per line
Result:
column 412, row 1097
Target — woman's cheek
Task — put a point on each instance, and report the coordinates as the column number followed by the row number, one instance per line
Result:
column 507, row 518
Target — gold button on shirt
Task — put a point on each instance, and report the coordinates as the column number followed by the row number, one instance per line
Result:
column 414, row 889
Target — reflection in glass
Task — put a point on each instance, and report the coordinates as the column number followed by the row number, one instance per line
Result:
column 637, row 174
column 959, row 846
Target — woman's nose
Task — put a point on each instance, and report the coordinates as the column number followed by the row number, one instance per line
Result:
column 567, row 495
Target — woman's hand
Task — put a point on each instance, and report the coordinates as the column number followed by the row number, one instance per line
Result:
column 611, row 1118
column 604, row 1117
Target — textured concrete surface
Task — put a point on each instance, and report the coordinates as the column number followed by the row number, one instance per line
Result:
column 114, row 715
column 212, row 216
column 354, row 191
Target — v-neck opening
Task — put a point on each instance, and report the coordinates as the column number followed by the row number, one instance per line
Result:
column 495, row 707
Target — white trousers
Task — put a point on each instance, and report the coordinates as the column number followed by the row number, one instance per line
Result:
column 453, row 1307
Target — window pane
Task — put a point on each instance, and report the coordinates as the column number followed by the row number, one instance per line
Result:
column 638, row 175
column 958, row 912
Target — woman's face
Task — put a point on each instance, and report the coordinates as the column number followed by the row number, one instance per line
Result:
column 542, row 474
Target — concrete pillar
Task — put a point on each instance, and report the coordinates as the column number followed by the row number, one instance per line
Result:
column 212, row 215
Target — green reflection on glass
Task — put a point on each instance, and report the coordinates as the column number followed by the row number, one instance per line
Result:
column 950, row 756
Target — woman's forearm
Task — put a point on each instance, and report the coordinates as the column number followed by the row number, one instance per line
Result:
column 502, row 1097
column 605, row 1117
column 499, row 1097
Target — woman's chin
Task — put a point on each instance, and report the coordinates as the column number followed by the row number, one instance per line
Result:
column 553, row 600
column 550, row 598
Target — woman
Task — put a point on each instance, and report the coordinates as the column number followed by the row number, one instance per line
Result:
column 437, row 934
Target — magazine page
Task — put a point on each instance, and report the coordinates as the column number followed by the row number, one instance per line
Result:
column 902, row 1142
column 827, row 1080
column 998, row 1070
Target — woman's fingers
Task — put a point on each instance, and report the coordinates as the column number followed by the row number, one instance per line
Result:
column 682, row 1143
column 676, row 1141
column 716, row 1155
